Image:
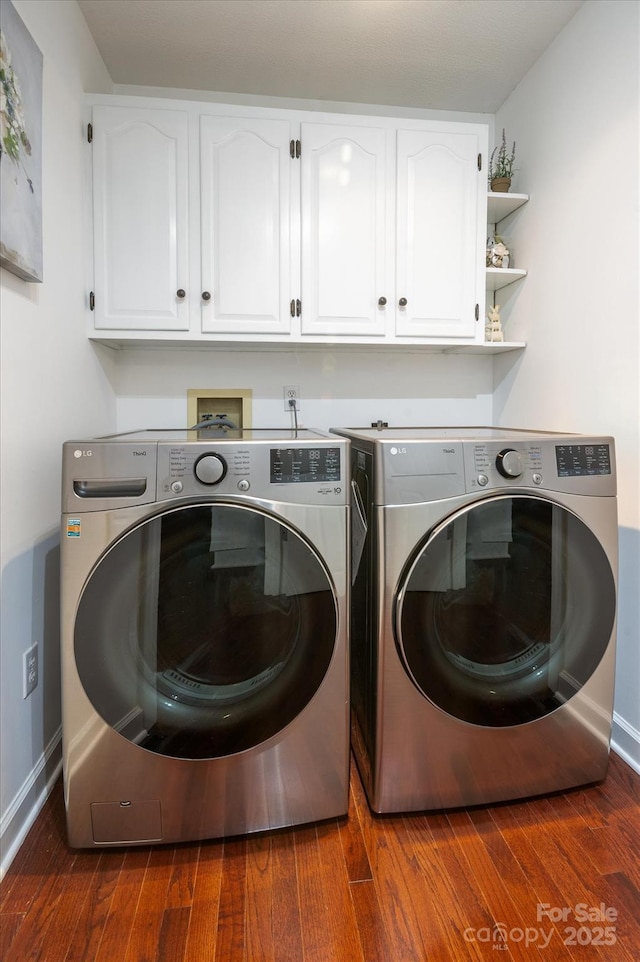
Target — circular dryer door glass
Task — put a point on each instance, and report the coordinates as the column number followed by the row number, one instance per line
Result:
column 505, row 611
column 205, row 630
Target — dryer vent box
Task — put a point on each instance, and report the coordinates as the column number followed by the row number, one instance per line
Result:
column 232, row 403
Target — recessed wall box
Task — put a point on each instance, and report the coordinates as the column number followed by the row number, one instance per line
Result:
column 232, row 403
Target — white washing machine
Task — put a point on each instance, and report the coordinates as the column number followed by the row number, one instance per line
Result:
column 483, row 613
column 205, row 595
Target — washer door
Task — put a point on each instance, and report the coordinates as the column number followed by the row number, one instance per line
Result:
column 505, row 610
column 205, row 630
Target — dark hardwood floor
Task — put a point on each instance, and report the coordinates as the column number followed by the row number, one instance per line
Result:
column 484, row 883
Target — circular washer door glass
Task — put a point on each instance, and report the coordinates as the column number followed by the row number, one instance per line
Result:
column 205, row 630
column 505, row 610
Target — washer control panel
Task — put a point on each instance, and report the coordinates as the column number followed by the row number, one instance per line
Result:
column 204, row 468
column 302, row 473
column 294, row 465
column 119, row 471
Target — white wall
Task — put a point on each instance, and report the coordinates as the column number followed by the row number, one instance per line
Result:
column 53, row 386
column 337, row 388
column 575, row 119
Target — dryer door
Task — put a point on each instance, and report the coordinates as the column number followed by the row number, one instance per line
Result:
column 505, row 610
column 205, row 630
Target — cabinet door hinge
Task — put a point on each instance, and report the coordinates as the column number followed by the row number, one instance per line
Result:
column 479, row 161
column 90, row 133
column 477, row 312
column 92, row 301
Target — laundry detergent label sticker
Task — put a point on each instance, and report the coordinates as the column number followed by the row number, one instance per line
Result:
column 73, row 528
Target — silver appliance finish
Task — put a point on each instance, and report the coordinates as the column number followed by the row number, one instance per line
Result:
column 483, row 613
column 167, row 735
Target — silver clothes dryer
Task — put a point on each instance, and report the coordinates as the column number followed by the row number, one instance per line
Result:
column 483, row 613
column 205, row 600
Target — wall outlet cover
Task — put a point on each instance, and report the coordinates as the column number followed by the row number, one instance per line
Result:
column 29, row 670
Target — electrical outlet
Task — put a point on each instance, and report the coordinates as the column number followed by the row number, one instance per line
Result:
column 291, row 392
column 29, row 670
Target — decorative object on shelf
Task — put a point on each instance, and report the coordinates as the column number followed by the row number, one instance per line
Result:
column 493, row 327
column 501, row 166
column 498, row 254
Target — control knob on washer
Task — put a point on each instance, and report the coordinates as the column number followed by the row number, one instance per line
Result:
column 210, row 468
column 509, row 463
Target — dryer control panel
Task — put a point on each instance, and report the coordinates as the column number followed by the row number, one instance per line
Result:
column 415, row 465
column 494, row 462
column 575, row 466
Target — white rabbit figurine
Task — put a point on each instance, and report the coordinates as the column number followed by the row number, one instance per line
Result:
column 493, row 330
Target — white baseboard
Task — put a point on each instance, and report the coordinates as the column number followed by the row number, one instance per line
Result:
column 625, row 742
column 28, row 803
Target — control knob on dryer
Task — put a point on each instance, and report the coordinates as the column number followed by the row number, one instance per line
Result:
column 509, row 463
column 210, row 468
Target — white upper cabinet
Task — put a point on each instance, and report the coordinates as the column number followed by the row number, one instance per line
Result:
column 216, row 223
column 345, row 229
column 440, row 231
column 140, row 211
column 391, row 245
column 245, row 204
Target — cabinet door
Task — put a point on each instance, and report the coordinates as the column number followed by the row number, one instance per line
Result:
column 346, row 229
column 441, row 220
column 245, row 230
column 140, row 209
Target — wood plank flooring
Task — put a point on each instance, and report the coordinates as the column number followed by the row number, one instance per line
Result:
column 437, row 887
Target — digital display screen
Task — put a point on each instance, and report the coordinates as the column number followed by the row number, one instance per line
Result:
column 304, row 465
column 576, row 460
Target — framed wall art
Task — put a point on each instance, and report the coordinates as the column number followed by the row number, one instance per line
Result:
column 20, row 147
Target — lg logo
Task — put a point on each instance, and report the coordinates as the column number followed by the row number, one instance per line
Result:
column 395, row 450
column 82, row 454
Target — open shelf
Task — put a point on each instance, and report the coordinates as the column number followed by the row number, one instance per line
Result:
column 117, row 341
column 498, row 277
column 500, row 206
column 489, row 347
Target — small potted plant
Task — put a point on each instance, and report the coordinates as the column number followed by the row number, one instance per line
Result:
column 501, row 166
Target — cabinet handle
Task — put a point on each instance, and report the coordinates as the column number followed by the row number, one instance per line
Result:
column 382, row 301
column 181, row 293
column 206, row 296
column 402, row 302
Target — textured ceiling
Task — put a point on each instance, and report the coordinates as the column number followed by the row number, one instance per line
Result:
column 465, row 55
